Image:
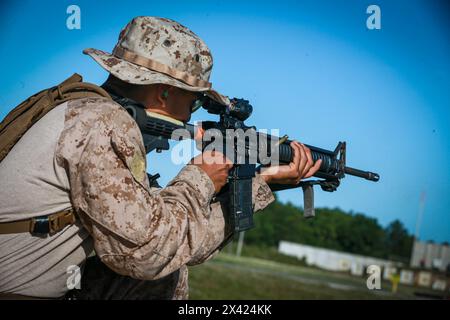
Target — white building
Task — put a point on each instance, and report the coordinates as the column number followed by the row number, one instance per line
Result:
column 430, row 255
column 332, row 260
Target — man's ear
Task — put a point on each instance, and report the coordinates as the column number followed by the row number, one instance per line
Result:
column 162, row 91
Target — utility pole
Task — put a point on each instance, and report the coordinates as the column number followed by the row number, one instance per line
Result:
column 420, row 214
column 418, row 222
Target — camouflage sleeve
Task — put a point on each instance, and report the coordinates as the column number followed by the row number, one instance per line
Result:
column 261, row 197
column 138, row 231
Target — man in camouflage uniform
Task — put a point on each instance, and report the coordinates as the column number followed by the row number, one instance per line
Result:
column 88, row 154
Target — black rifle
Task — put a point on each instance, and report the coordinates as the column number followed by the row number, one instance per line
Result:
column 157, row 130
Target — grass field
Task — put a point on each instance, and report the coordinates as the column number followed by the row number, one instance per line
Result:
column 230, row 277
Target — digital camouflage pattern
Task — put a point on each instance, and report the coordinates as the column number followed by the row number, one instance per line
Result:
column 138, row 231
column 167, row 42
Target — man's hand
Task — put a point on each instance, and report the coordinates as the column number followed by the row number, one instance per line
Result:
column 301, row 167
column 216, row 166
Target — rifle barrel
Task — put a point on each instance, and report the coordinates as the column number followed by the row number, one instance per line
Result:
column 362, row 174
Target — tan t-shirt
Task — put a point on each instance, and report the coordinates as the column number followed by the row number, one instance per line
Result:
column 33, row 184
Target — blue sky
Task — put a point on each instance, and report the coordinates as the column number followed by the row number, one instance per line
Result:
column 310, row 68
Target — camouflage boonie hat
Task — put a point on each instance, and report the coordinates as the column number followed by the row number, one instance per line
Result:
column 154, row 50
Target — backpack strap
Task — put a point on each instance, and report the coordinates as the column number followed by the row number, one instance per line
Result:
column 21, row 118
column 29, row 103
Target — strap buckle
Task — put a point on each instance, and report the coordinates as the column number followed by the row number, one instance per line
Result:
column 53, row 223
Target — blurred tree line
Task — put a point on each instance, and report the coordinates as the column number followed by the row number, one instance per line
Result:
column 332, row 229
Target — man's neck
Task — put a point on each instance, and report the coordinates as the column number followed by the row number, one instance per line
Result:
column 116, row 90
